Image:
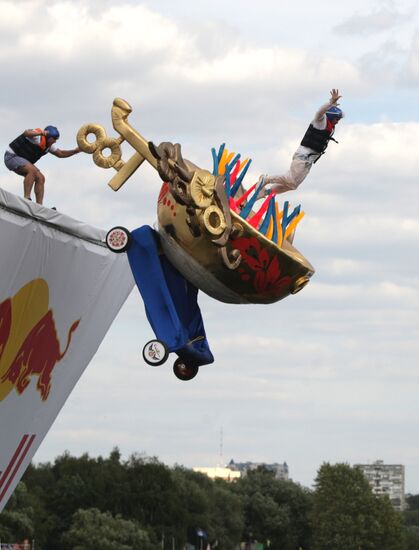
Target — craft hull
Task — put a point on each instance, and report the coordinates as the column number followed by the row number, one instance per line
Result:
column 264, row 272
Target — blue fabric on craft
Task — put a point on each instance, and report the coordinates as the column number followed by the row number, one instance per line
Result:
column 170, row 300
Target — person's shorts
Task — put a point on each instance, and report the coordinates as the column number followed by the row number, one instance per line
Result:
column 13, row 162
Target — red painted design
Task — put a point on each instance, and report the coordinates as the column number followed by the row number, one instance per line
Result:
column 15, row 463
column 5, row 323
column 263, row 270
column 163, row 192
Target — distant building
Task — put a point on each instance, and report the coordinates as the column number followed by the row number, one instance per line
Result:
column 219, row 472
column 386, row 479
column 281, row 470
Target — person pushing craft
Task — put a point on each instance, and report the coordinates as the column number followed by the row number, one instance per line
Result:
column 25, row 150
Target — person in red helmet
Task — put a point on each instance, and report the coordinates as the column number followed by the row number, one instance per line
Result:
column 25, row 150
column 312, row 147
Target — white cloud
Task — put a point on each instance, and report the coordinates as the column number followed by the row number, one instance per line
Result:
column 295, row 375
column 413, row 61
column 17, row 15
column 375, row 291
column 378, row 21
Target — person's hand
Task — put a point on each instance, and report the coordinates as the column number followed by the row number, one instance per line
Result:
column 334, row 96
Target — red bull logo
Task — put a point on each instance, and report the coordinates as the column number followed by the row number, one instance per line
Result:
column 29, row 345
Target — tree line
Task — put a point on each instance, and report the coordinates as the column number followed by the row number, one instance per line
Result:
column 83, row 503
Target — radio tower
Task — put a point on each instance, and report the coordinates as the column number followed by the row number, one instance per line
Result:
column 221, row 447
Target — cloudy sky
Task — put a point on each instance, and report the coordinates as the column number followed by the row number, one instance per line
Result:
column 330, row 374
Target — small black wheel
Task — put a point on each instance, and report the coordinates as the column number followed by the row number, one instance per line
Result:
column 118, row 239
column 183, row 371
column 155, row 353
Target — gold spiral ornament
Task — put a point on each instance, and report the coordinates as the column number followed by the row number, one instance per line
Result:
column 97, row 146
column 202, row 188
column 107, row 161
column 87, row 129
column 214, row 220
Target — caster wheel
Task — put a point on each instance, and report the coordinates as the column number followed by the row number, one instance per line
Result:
column 183, row 371
column 118, row 239
column 155, row 353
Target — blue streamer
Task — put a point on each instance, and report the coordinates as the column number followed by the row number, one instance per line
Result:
column 221, row 151
column 248, row 208
column 269, row 212
column 233, row 162
column 214, row 162
column 227, row 182
column 274, row 237
column 239, row 180
column 286, row 220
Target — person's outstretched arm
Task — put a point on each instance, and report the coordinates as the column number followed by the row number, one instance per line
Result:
column 62, row 154
column 333, row 100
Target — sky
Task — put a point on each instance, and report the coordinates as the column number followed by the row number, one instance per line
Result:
column 328, row 375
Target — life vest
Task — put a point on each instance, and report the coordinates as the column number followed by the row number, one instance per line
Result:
column 30, row 151
column 318, row 140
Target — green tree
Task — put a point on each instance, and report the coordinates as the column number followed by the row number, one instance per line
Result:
column 210, row 505
column 275, row 510
column 154, row 499
column 16, row 520
column 94, row 529
column 389, row 534
column 411, row 538
column 226, row 515
column 347, row 516
column 411, row 517
column 194, row 500
column 412, row 502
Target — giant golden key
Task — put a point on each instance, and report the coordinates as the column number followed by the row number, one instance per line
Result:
column 120, row 112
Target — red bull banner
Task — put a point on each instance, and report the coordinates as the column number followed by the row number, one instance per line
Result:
column 60, row 290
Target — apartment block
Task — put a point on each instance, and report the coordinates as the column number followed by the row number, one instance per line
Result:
column 386, row 479
column 281, row 470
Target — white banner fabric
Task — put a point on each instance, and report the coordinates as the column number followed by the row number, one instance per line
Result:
column 60, row 290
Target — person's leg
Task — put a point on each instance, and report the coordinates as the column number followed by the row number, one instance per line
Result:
column 292, row 179
column 39, row 186
column 28, row 171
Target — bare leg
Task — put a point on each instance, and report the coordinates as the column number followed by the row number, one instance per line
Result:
column 39, row 186
column 29, row 175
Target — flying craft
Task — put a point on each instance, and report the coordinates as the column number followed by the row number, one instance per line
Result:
column 210, row 235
